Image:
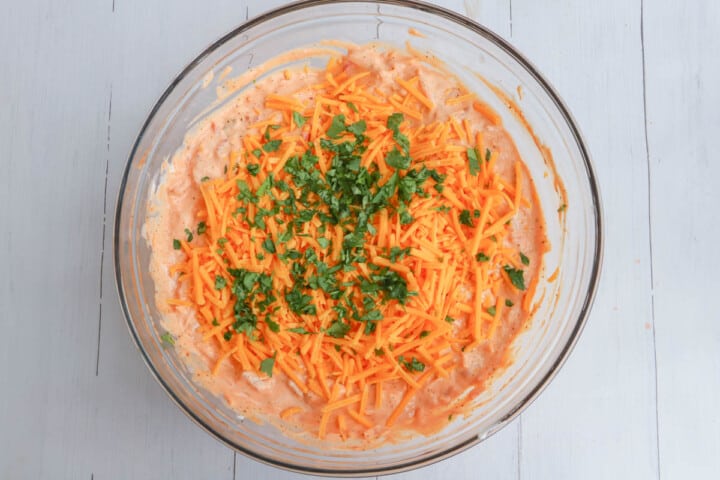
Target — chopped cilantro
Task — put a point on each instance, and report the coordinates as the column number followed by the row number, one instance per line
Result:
column 227, row 335
column 167, row 339
column 481, row 257
column 488, row 155
column 443, row 208
column 524, row 259
column 323, row 242
column 272, row 145
column 473, row 162
column 413, row 365
column 465, row 218
column 298, row 119
column 176, row 244
column 492, row 310
column 337, row 126
column 357, row 128
column 424, row 333
column 449, row 319
column 338, row 329
column 509, row 303
column 266, row 366
column 379, row 352
column 205, row 179
column 253, row 169
column 397, row 253
column 257, row 152
column 189, row 235
column 300, row 330
column 215, row 322
column 220, row 282
column 352, row 107
column 394, row 121
column 516, row 276
column 201, row 228
column 396, row 159
column 222, row 241
column 272, row 325
column 268, row 245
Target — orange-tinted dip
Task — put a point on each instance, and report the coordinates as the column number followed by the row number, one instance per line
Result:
column 347, row 253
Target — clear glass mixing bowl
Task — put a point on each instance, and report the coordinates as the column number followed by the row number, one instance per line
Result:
column 466, row 48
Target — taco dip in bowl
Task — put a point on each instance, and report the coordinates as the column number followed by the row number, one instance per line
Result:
column 357, row 226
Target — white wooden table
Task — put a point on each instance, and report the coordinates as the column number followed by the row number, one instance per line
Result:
column 639, row 397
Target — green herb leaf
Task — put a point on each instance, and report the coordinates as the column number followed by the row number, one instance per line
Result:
column 272, row 145
column 413, row 365
column 201, row 228
column 268, row 245
column 176, row 244
column 397, row 253
column 357, row 128
column 323, row 242
column 253, row 169
column 298, row 119
column 257, row 152
column 492, row 310
column 352, row 107
column 337, row 126
column 189, row 235
column 473, row 161
column 509, row 303
column 205, row 179
column 516, row 276
column 379, row 352
column 443, row 208
column 394, row 121
column 449, row 319
column 222, row 241
column 338, row 329
column 300, row 330
column 488, row 155
column 272, row 325
column 266, row 366
column 424, row 333
column 481, row 257
column 465, row 218
column 220, row 282
column 227, row 335
column 396, row 159
column 524, row 259
column 215, row 322
column 167, row 339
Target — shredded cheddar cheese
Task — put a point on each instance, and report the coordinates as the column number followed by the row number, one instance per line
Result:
column 350, row 244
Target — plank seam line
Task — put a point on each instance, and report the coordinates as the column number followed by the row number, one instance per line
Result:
column 650, row 233
column 519, row 447
column 102, row 246
column 511, row 20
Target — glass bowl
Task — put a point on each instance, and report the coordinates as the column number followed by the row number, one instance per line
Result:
column 480, row 58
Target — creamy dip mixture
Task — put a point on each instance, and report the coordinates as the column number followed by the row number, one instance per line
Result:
column 328, row 327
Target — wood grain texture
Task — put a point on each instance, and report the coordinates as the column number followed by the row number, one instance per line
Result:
column 77, row 79
column 597, row 419
column 682, row 75
column 52, row 155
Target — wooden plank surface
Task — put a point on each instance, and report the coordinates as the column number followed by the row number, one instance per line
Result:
column 597, row 419
column 77, row 79
column 682, row 74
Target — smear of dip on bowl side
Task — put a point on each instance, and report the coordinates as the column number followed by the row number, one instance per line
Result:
column 348, row 252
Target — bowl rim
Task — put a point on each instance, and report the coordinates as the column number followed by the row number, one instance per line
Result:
column 587, row 303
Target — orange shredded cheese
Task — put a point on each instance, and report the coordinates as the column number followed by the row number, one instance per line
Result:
column 450, row 265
